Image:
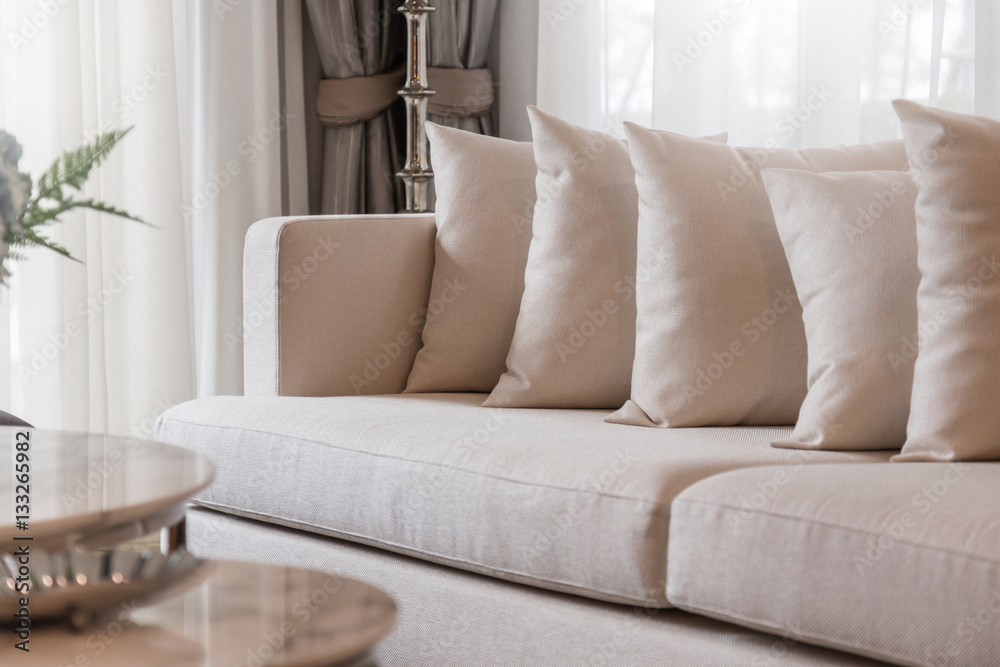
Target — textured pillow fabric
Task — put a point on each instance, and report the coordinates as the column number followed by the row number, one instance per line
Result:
column 575, row 335
column 851, row 243
column 719, row 333
column 955, row 407
column 485, row 199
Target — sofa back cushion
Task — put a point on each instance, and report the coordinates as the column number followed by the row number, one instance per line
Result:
column 719, row 334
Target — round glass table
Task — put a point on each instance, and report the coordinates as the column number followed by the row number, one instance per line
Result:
column 239, row 614
column 58, row 488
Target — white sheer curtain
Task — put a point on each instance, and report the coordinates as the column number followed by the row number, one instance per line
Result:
column 108, row 344
column 793, row 73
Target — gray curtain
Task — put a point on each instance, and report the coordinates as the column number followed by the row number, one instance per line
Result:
column 357, row 38
column 459, row 36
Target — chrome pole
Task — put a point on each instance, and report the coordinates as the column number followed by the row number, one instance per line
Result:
column 417, row 172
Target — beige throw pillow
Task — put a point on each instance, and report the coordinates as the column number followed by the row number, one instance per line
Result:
column 719, row 334
column 485, row 199
column 955, row 407
column 575, row 335
column 851, row 242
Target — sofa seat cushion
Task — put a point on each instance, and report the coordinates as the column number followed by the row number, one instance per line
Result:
column 450, row 618
column 553, row 498
column 899, row 563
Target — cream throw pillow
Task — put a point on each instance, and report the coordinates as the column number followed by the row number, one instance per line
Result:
column 575, row 335
column 955, row 407
column 485, row 199
column 719, row 334
column 851, row 242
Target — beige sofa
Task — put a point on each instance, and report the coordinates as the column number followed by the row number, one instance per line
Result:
column 535, row 537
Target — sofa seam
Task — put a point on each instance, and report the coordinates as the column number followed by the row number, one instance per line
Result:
column 413, row 552
column 827, row 524
column 277, row 307
column 659, row 503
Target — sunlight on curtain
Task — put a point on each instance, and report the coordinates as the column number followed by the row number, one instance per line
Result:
column 103, row 345
column 790, row 72
column 153, row 315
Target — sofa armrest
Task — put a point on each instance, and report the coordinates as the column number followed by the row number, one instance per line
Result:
column 334, row 305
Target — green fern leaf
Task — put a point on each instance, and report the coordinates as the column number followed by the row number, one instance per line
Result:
column 109, row 209
column 73, row 168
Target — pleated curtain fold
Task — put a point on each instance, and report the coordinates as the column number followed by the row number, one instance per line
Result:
column 366, row 38
column 459, row 35
column 359, row 38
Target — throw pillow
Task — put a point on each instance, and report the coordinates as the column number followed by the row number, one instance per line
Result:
column 575, row 336
column 719, row 333
column 485, row 199
column 955, row 162
column 851, row 243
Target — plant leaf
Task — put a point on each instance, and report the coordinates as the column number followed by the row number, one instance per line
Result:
column 73, row 167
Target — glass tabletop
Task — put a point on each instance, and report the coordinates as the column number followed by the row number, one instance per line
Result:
column 58, row 488
column 238, row 614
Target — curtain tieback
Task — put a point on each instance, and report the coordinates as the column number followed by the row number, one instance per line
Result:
column 460, row 93
column 357, row 99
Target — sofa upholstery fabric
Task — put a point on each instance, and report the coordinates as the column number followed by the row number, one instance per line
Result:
column 555, row 498
column 332, row 305
column 450, row 618
column 899, row 562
